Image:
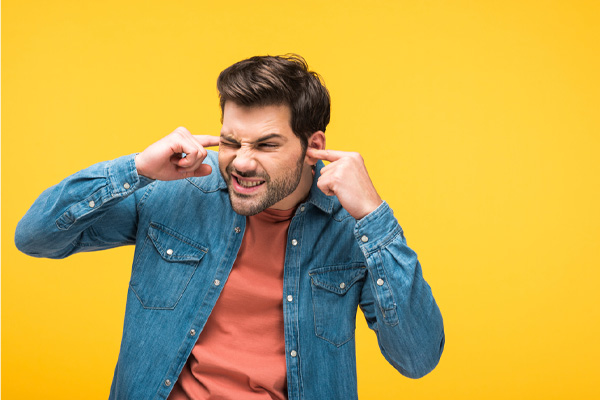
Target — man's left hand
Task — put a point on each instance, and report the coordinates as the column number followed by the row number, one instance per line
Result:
column 347, row 178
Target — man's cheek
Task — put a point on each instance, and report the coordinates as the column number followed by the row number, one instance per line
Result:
column 223, row 168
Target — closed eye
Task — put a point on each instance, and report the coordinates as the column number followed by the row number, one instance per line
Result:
column 268, row 145
column 229, row 144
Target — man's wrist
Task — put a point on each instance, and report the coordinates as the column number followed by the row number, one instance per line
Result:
column 368, row 209
column 139, row 166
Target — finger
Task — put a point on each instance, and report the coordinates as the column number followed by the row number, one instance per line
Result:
column 199, row 150
column 200, row 142
column 188, row 161
column 203, row 170
column 182, row 141
column 325, row 186
column 207, row 140
column 203, row 141
column 331, row 168
column 195, row 170
column 182, row 131
column 196, row 152
column 183, row 148
column 327, row 155
column 190, row 150
column 326, row 169
column 184, row 160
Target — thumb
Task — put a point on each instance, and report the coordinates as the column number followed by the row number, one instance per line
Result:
column 203, row 170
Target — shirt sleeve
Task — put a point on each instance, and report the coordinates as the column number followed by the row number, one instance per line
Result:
column 94, row 209
column 396, row 301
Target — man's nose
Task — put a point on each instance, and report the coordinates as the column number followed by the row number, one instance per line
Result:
column 244, row 160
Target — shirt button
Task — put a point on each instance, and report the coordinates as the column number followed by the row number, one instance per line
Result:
column 290, row 298
column 170, row 251
column 192, row 332
column 217, row 282
column 91, row 204
column 302, row 208
column 294, row 242
column 126, row 185
column 342, row 285
column 237, row 229
column 293, row 353
column 167, row 382
column 380, row 282
column 364, row 238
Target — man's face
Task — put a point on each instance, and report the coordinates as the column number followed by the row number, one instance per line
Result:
column 260, row 158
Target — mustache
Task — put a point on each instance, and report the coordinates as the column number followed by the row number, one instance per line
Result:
column 247, row 174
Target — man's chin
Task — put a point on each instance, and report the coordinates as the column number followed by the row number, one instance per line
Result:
column 247, row 212
column 244, row 204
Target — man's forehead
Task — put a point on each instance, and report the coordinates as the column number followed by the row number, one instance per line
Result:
column 261, row 120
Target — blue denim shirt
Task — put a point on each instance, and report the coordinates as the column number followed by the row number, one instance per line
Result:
column 187, row 237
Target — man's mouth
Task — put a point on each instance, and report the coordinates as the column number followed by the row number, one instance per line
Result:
column 248, row 183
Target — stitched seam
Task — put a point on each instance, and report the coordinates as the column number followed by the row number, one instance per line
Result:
column 181, row 238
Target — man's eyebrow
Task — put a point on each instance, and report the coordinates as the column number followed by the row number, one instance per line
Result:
column 270, row 136
column 228, row 137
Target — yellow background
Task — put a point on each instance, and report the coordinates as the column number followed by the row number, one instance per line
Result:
column 479, row 122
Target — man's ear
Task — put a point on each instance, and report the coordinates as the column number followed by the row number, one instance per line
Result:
column 315, row 141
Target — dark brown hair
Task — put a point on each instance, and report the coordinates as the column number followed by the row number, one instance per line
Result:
column 274, row 80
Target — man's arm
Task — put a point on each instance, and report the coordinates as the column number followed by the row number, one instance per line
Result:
column 96, row 208
column 396, row 300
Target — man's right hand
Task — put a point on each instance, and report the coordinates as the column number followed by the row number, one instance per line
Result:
column 163, row 160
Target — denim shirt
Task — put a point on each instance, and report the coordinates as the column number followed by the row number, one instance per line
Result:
column 187, row 237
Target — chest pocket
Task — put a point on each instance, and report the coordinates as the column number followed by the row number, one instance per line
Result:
column 164, row 267
column 335, row 295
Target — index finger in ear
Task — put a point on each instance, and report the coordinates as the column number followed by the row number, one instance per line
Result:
column 327, row 155
column 207, row 140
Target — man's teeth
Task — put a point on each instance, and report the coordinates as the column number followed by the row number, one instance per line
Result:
column 249, row 184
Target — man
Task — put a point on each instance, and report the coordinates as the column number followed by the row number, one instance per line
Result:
column 245, row 283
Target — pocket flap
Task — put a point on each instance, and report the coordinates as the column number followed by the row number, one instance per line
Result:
column 173, row 246
column 338, row 278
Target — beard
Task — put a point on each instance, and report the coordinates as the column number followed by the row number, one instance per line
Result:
column 277, row 189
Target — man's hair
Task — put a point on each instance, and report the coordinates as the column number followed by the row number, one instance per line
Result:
column 277, row 80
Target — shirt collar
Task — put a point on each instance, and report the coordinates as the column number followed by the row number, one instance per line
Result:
column 316, row 196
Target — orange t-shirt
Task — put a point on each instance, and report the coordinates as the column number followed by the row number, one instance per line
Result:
column 240, row 354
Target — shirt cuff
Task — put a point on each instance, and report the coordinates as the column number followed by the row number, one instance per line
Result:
column 123, row 176
column 377, row 229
